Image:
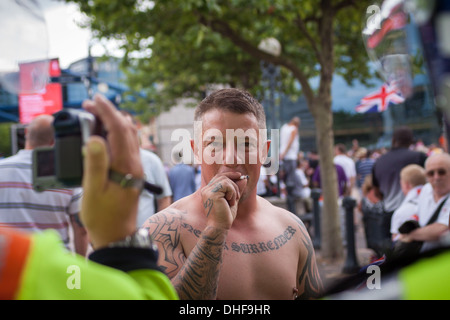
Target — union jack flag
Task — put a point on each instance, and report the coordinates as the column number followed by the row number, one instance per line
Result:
column 380, row 100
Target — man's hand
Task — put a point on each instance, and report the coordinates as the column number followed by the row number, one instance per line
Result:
column 405, row 238
column 108, row 210
column 220, row 199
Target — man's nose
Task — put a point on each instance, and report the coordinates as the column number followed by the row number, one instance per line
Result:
column 231, row 156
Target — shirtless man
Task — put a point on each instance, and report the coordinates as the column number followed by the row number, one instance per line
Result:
column 224, row 241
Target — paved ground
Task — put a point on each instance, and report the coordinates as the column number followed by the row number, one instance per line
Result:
column 333, row 270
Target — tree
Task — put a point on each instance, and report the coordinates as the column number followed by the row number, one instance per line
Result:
column 188, row 44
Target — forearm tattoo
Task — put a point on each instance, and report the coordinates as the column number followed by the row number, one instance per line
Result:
column 199, row 277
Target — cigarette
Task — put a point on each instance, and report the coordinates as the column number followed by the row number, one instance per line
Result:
column 243, row 177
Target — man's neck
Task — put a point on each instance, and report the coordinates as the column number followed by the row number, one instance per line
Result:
column 438, row 197
column 247, row 208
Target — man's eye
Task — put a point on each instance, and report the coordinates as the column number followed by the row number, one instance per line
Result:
column 215, row 144
column 248, row 145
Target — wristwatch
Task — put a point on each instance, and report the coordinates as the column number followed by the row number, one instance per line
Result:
column 139, row 239
column 135, row 252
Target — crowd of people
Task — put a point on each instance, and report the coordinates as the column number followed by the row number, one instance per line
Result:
column 388, row 184
column 218, row 222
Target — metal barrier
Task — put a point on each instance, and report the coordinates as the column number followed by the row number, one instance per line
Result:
column 315, row 195
column 313, row 219
column 351, row 261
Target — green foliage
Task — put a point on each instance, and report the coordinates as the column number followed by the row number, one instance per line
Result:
column 5, row 139
column 193, row 43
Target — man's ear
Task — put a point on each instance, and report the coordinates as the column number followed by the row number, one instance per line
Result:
column 196, row 151
column 265, row 151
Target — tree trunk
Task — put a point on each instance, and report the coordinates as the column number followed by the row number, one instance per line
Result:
column 331, row 242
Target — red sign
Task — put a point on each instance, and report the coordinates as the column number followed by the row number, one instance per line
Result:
column 48, row 100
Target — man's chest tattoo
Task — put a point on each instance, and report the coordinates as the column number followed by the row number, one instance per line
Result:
column 271, row 244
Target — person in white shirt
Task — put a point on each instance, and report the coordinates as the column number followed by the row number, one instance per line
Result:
column 412, row 179
column 303, row 190
column 155, row 174
column 289, row 149
column 347, row 164
column 261, row 188
column 434, row 193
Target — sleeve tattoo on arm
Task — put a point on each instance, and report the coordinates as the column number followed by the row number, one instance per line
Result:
column 309, row 275
column 194, row 277
column 166, row 231
column 199, row 277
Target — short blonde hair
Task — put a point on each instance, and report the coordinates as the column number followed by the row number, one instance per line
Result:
column 414, row 175
column 233, row 100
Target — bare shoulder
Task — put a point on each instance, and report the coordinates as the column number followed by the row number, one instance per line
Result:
column 282, row 215
column 166, row 228
column 290, row 223
column 168, row 216
column 171, row 215
column 309, row 282
column 171, row 221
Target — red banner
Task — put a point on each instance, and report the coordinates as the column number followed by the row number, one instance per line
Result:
column 45, row 101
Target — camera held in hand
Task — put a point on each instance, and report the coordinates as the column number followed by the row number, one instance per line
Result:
column 61, row 166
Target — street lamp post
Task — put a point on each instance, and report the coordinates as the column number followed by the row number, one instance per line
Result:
column 270, row 74
column 270, row 84
column 270, row 77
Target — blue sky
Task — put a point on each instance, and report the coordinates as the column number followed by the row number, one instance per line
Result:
column 67, row 40
column 347, row 97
